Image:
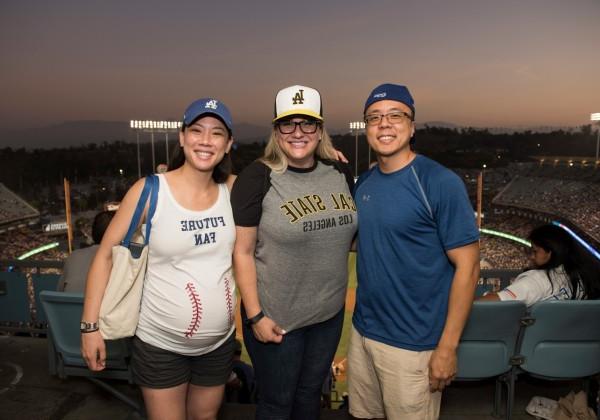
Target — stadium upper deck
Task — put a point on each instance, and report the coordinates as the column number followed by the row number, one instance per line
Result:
column 576, row 201
column 14, row 210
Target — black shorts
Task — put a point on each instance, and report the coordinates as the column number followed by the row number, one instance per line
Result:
column 156, row 368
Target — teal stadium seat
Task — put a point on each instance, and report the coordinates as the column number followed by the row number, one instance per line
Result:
column 14, row 302
column 488, row 343
column 564, row 340
column 63, row 311
column 43, row 282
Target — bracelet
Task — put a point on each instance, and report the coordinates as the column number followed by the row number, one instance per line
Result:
column 88, row 327
column 251, row 321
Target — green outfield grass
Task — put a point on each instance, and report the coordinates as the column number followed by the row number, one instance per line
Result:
column 341, row 385
column 342, row 349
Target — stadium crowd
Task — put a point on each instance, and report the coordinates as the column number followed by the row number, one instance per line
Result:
column 571, row 193
column 13, row 208
column 497, row 252
column 504, row 253
column 17, row 242
column 577, row 201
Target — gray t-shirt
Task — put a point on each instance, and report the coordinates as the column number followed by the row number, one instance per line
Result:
column 76, row 269
column 306, row 221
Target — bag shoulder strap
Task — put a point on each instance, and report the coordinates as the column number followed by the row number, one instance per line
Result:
column 152, row 207
column 150, row 188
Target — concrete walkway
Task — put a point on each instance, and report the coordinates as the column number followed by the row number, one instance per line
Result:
column 27, row 391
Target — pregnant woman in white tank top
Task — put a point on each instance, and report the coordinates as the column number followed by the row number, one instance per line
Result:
column 183, row 349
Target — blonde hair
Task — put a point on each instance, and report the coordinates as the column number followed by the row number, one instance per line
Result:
column 276, row 159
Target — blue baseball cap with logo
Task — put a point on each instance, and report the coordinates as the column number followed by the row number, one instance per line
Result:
column 391, row 92
column 209, row 106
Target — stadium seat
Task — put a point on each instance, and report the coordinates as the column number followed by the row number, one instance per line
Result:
column 564, row 340
column 488, row 343
column 63, row 311
column 14, row 301
column 43, row 282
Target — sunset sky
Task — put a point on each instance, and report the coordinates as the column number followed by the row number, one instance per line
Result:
column 469, row 62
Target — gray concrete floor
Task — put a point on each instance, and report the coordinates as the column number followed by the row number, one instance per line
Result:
column 27, row 391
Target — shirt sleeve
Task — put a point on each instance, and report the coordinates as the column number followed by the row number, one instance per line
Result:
column 248, row 192
column 345, row 169
column 454, row 214
column 530, row 287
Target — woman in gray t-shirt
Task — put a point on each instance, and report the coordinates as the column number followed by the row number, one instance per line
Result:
column 295, row 220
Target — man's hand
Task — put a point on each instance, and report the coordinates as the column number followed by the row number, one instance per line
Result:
column 442, row 368
column 267, row 331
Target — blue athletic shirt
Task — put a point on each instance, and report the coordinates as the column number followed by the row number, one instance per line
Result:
column 408, row 219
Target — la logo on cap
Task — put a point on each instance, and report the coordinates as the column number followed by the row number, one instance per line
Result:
column 298, row 100
column 211, row 104
column 298, row 97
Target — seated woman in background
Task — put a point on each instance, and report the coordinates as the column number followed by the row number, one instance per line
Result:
column 562, row 270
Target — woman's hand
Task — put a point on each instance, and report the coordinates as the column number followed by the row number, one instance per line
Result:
column 93, row 350
column 267, row 331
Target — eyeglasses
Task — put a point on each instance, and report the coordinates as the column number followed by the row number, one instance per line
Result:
column 306, row 126
column 396, row 117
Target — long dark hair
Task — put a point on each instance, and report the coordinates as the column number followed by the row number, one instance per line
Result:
column 583, row 270
column 220, row 173
column 100, row 224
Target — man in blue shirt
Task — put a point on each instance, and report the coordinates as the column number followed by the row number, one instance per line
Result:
column 417, row 267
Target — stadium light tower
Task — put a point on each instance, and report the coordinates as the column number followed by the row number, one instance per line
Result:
column 596, row 117
column 149, row 126
column 358, row 127
column 133, row 125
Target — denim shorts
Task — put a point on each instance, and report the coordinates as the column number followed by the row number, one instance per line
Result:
column 156, row 368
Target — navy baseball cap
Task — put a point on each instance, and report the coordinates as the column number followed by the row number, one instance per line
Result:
column 391, row 92
column 209, row 106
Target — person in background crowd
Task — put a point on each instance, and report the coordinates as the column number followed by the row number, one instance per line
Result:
column 78, row 263
column 562, row 270
column 295, row 220
column 184, row 343
column 417, row 268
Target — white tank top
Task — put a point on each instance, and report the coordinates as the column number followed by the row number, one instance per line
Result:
column 189, row 298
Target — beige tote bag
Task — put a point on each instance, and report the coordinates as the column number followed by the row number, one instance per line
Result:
column 120, row 308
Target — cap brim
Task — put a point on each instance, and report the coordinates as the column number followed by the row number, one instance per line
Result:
column 306, row 112
column 203, row 114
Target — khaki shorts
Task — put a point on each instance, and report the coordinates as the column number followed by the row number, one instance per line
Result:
column 386, row 381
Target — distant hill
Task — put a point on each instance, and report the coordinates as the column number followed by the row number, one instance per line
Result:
column 250, row 133
column 439, row 124
column 77, row 133
column 72, row 133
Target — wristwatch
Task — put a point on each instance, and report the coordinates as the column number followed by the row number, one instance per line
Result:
column 88, row 327
column 251, row 321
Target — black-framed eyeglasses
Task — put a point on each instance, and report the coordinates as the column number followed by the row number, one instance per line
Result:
column 396, row 117
column 306, row 126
